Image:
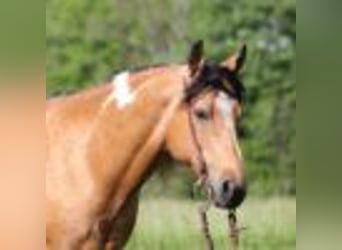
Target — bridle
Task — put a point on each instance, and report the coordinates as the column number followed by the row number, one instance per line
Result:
column 203, row 166
column 202, row 170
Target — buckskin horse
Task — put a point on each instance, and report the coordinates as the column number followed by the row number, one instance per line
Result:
column 102, row 144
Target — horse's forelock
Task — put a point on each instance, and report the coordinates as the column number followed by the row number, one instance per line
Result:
column 216, row 77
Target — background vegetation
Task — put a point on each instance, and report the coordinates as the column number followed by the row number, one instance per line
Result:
column 269, row 224
column 87, row 41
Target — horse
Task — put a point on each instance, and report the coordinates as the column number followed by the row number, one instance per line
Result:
column 103, row 143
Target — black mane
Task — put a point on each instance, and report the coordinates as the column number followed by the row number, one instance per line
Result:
column 217, row 77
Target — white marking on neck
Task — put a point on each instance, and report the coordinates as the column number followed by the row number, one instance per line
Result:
column 122, row 92
column 225, row 105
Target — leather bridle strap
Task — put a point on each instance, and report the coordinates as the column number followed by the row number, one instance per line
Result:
column 202, row 171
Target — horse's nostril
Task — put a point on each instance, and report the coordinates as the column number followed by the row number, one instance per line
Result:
column 229, row 194
column 225, row 187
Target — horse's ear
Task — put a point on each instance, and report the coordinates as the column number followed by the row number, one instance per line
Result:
column 195, row 59
column 236, row 61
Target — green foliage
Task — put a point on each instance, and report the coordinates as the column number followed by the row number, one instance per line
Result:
column 89, row 40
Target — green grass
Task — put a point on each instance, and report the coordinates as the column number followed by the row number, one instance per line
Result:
column 174, row 225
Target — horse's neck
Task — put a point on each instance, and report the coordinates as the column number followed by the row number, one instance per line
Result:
column 124, row 142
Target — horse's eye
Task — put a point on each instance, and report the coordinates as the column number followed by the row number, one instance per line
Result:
column 202, row 114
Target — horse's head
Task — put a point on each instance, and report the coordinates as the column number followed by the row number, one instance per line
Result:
column 202, row 131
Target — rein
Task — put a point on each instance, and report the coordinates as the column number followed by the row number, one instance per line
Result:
column 202, row 181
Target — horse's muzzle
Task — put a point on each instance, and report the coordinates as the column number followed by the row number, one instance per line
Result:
column 227, row 194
